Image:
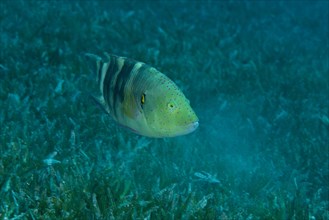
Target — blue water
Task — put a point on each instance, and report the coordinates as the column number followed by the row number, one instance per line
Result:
column 255, row 72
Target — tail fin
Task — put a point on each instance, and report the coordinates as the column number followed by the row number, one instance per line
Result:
column 99, row 64
column 99, row 99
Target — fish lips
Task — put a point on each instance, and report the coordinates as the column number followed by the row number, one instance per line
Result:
column 190, row 128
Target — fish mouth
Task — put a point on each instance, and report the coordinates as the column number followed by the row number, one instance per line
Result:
column 180, row 130
column 192, row 127
column 186, row 129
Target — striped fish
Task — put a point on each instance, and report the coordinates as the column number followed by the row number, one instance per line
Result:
column 143, row 99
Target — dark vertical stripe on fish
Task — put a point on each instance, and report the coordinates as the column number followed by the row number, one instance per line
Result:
column 112, row 69
column 121, row 82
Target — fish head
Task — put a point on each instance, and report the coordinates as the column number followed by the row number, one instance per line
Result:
column 167, row 111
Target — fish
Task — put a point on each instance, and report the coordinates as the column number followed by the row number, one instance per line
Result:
column 139, row 97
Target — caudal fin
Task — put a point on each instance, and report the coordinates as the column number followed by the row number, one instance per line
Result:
column 99, row 64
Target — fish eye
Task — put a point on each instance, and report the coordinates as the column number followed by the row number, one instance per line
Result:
column 171, row 106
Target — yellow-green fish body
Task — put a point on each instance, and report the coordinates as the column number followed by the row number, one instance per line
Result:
column 143, row 99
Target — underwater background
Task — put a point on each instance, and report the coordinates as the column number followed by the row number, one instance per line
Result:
column 255, row 72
